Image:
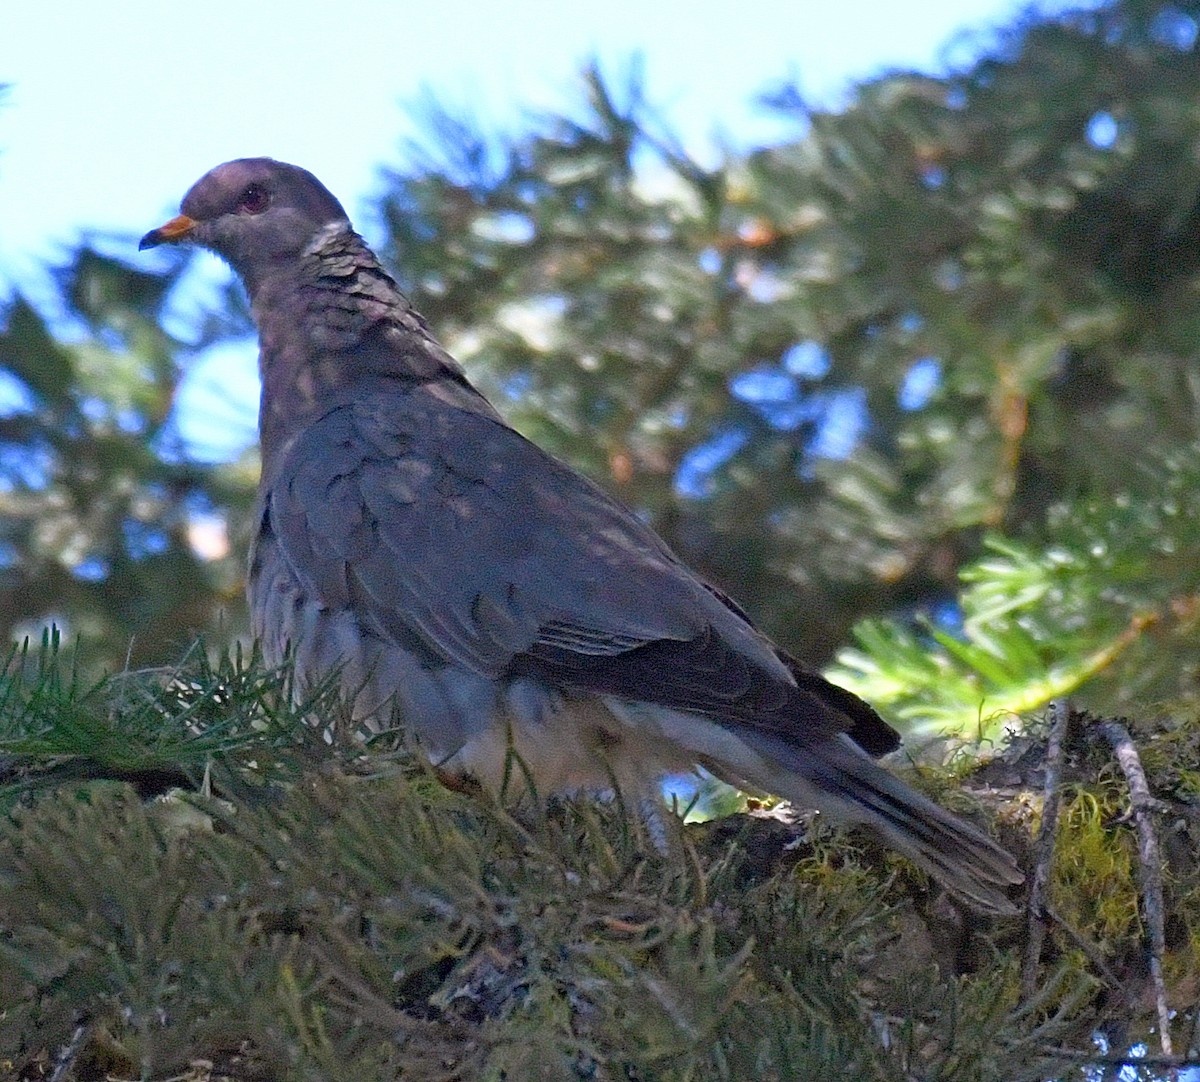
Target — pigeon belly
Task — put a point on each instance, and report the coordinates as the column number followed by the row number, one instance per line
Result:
column 508, row 735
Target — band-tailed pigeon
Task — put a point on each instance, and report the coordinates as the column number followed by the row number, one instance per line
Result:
column 452, row 572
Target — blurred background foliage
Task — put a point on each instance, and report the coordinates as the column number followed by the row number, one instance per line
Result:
column 922, row 378
column 919, row 386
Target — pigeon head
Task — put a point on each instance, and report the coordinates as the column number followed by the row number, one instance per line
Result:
column 253, row 212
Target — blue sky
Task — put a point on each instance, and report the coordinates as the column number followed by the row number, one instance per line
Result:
column 114, row 109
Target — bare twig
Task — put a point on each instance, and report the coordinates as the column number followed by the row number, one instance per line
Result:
column 1149, row 863
column 1132, row 1059
column 65, row 1060
column 1194, row 1044
column 1044, row 849
column 1178, row 808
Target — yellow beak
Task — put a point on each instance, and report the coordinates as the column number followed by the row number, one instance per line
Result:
column 176, row 229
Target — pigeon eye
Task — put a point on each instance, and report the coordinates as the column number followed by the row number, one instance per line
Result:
column 254, row 200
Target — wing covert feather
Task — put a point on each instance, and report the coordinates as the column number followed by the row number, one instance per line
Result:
column 450, row 527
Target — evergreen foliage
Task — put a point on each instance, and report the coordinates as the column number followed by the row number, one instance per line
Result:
column 955, row 308
column 1109, row 603
column 288, row 903
column 921, row 379
column 950, row 314
column 97, row 500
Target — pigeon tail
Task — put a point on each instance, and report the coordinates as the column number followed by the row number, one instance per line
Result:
column 838, row 778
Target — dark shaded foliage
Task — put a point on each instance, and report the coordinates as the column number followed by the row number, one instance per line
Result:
column 301, row 905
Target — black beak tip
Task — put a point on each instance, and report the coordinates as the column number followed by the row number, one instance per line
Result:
column 151, row 240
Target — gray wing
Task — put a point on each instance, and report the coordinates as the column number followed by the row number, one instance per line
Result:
column 444, row 526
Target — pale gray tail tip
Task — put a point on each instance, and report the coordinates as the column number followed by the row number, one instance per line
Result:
column 986, row 898
column 975, row 871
